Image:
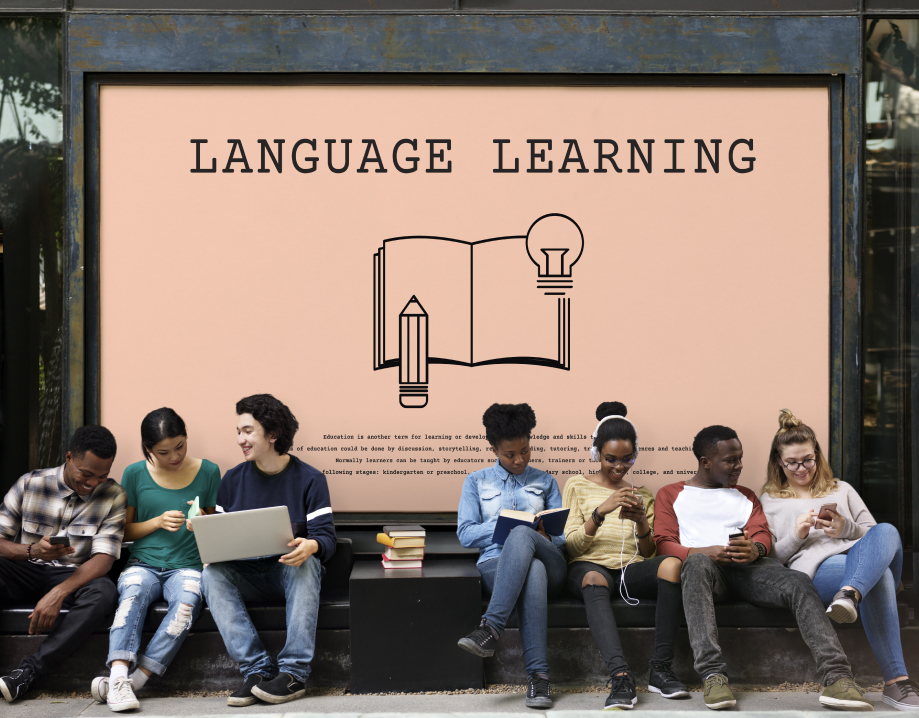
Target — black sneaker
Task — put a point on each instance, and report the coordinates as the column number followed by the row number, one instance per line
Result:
column 16, row 684
column 280, row 690
column 538, row 692
column 623, row 695
column 244, row 696
column 481, row 642
column 664, row 681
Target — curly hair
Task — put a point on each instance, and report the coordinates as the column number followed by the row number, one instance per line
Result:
column 706, row 441
column 96, row 439
column 274, row 416
column 614, row 429
column 508, row 421
column 794, row 431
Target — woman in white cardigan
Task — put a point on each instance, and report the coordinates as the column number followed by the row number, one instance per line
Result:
column 852, row 559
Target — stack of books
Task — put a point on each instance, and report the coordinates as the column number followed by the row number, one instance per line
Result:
column 404, row 546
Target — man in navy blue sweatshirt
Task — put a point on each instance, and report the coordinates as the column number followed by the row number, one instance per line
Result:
column 270, row 476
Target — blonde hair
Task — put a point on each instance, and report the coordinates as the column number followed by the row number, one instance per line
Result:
column 794, row 431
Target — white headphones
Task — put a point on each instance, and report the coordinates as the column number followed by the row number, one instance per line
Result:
column 594, row 451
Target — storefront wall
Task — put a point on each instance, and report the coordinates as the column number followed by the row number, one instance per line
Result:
column 612, row 48
column 674, row 42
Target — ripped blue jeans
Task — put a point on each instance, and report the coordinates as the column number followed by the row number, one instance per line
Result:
column 140, row 585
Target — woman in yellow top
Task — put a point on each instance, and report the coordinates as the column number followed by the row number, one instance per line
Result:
column 602, row 555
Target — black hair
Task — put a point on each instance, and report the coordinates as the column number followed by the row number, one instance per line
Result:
column 505, row 422
column 706, row 441
column 96, row 439
column 614, row 429
column 274, row 416
column 160, row 424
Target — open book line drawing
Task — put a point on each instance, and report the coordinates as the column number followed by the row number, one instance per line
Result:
column 436, row 301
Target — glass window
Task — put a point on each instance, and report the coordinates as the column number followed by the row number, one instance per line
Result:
column 31, row 244
column 891, row 271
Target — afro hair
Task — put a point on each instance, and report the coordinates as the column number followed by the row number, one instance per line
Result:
column 508, row 421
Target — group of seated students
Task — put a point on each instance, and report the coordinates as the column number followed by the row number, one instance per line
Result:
column 149, row 508
column 696, row 543
column 706, row 534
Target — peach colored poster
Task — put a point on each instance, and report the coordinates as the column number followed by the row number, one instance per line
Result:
column 391, row 260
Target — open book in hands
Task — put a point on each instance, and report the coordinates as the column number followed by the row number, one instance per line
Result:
column 553, row 522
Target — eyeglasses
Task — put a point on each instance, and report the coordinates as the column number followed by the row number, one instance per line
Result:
column 627, row 461
column 795, row 465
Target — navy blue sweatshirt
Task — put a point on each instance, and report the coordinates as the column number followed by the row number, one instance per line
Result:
column 299, row 487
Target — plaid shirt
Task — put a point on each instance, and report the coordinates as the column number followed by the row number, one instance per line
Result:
column 41, row 504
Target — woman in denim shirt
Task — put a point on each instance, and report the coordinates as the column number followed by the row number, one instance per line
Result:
column 530, row 566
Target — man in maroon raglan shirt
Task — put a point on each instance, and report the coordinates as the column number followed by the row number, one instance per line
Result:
column 693, row 521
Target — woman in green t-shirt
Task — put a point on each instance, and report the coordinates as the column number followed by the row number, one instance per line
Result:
column 164, row 563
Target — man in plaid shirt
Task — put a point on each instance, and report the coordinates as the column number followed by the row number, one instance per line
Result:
column 83, row 511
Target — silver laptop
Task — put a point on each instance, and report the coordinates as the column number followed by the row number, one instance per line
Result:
column 243, row 534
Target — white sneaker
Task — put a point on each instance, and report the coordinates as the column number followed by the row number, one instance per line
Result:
column 120, row 695
column 100, row 689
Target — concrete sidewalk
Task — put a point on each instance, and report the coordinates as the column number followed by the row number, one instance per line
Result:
column 566, row 705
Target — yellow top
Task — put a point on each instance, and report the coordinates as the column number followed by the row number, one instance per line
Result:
column 614, row 543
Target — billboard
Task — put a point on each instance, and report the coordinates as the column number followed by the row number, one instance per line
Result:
column 389, row 260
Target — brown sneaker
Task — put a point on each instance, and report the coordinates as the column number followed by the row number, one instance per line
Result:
column 717, row 692
column 845, row 695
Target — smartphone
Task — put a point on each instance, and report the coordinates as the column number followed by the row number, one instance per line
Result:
column 738, row 535
column 825, row 510
column 60, row 540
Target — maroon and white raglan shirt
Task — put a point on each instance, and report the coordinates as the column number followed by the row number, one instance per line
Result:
column 687, row 517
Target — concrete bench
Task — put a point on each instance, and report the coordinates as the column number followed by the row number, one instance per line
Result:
column 333, row 603
column 564, row 611
column 202, row 664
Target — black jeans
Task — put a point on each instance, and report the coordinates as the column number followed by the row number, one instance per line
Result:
column 641, row 581
column 765, row 583
column 88, row 608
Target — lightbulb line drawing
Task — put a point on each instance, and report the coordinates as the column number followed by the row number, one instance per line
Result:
column 555, row 243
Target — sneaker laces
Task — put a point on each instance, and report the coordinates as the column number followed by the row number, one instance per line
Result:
column 717, row 679
column 538, row 685
column 119, row 688
column 908, row 687
column 482, row 634
column 666, row 672
column 847, row 683
column 615, row 682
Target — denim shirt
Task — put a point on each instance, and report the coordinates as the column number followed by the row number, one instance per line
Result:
column 488, row 491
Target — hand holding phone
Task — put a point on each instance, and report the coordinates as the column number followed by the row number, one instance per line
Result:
column 740, row 548
column 49, row 549
column 633, row 507
column 826, row 512
column 833, row 521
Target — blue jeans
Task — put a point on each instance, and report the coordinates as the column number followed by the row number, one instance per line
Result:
column 140, row 585
column 873, row 566
column 230, row 585
column 529, row 570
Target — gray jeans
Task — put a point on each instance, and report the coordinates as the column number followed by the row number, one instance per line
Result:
column 765, row 583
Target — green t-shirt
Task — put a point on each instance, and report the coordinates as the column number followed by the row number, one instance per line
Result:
column 162, row 548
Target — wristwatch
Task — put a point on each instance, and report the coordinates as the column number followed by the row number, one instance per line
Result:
column 760, row 548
